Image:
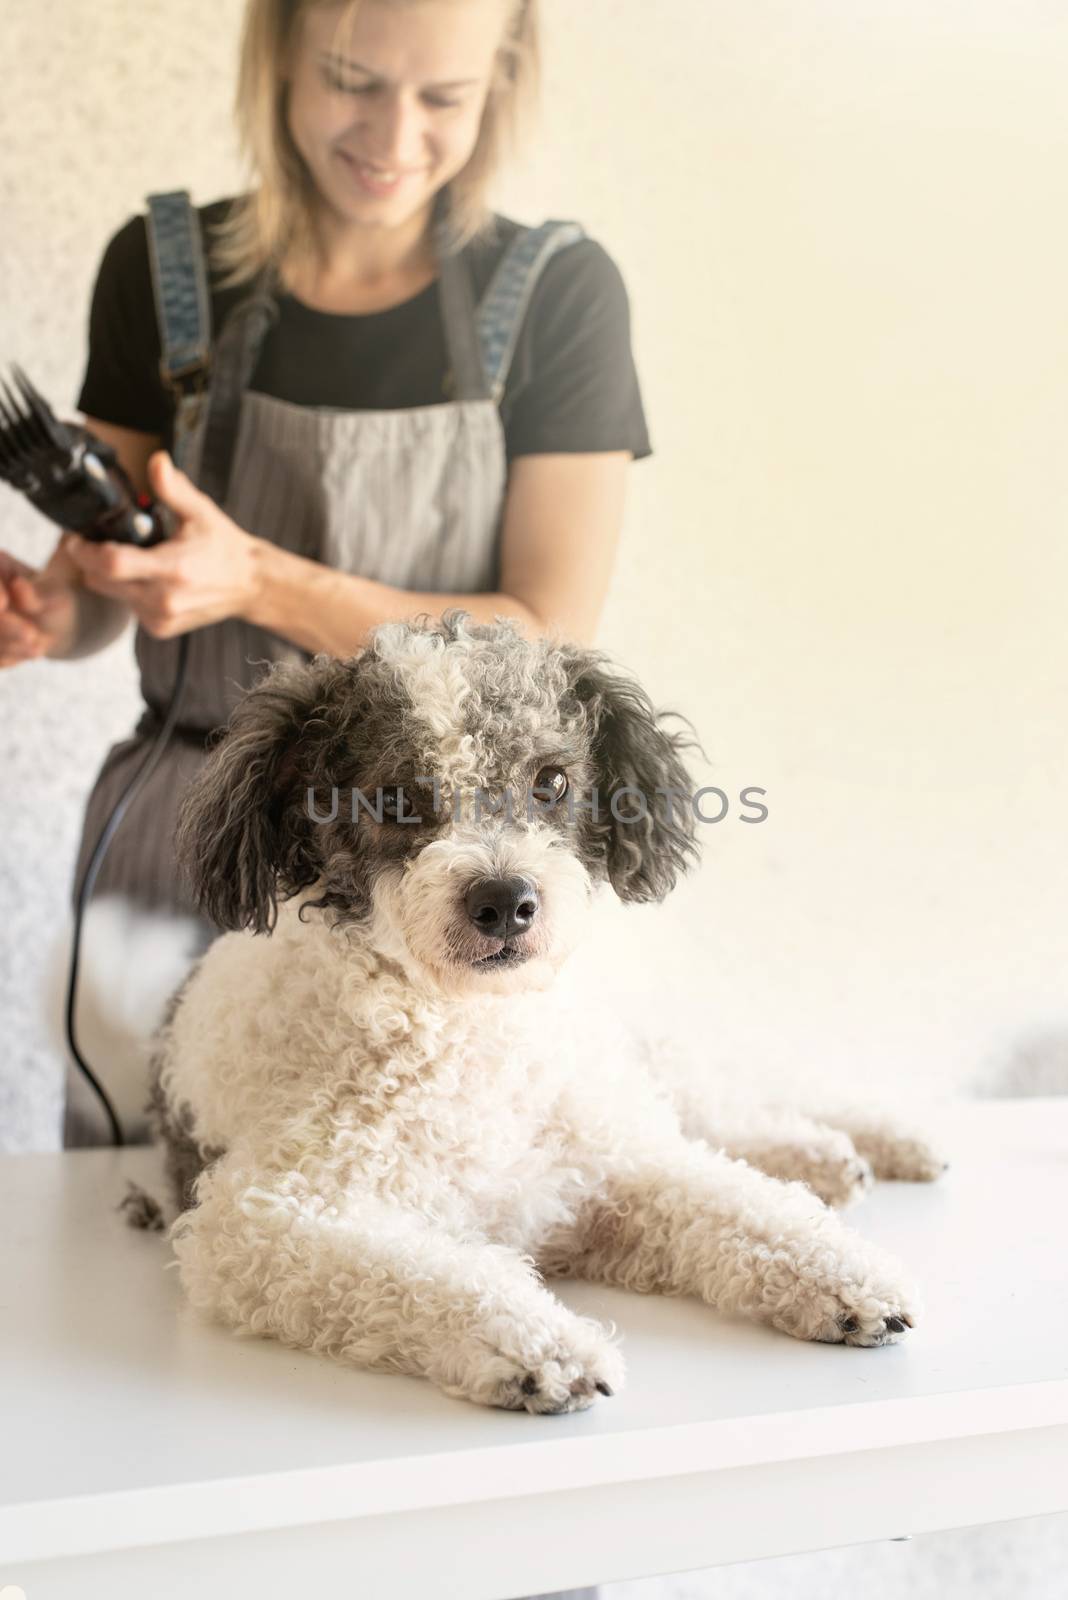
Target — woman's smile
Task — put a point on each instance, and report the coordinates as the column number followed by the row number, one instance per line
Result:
column 374, row 179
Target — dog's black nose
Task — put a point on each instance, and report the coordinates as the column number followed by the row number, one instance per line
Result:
column 502, row 907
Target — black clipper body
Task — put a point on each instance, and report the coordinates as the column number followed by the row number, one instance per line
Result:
column 72, row 477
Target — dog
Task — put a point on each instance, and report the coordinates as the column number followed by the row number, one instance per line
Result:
column 388, row 1117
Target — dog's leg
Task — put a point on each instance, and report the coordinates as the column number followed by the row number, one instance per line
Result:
column 889, row 1138
column 835, row 1142
column 785, row 1144
column 687, row 1220
column 778, row 1139
column 362, row 1281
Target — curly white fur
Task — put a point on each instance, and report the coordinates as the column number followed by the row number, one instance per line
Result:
column 414, row 1146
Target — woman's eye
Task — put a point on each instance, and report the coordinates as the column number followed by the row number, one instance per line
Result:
column 434, row 101
column 550, row 786
column 397, row 804
column 349, row 88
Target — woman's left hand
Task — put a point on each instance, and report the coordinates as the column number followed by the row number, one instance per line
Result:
column 205, row 572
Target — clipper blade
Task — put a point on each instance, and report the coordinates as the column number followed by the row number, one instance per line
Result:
column 31, row 436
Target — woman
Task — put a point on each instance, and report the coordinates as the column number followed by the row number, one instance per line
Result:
column 415, row 421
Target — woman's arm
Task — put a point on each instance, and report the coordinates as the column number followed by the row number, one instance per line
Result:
column 562, row 520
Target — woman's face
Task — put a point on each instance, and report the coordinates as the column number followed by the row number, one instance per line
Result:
column 388, row 112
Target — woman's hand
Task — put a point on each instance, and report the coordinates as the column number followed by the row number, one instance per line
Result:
column 38, row 611
column 206, row 572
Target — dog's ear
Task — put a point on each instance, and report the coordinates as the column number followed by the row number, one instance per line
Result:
column 646, row 852
column 243, row 838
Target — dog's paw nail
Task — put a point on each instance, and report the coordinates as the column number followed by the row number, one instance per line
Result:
column 907, row 1320
column 848, row 1324
column 604, row 1388
column 529, row 1384
column 895, row 1324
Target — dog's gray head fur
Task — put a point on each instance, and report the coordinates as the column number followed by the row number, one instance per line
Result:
column 475, row 707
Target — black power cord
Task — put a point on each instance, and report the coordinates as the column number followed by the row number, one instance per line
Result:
column 92, row 868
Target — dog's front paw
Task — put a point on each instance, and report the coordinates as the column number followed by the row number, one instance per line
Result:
column 564, row 1373
column 853, row 1315
column 861, row 1296
column 867, row 1313
column 560, row 1383
column 868, row 1322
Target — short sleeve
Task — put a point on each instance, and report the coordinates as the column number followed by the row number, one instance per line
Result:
column 122, row 383
column 573, row 386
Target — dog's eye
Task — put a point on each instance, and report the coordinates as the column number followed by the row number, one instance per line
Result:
column 550, row 785
column 397, row 804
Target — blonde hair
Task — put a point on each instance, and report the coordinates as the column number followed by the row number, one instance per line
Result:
column 277, row 212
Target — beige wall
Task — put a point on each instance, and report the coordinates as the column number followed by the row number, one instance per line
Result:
column 843, row 230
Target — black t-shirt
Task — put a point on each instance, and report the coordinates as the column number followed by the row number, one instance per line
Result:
column 571, row 387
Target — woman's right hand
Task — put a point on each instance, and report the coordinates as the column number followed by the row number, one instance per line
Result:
column 38, row 609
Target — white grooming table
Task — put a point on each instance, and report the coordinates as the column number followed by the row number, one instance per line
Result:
column 145, row 1453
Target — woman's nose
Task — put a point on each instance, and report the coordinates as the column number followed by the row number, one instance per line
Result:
column 397, row 134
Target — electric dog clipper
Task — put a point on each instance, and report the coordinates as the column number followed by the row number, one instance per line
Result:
column 70, row 475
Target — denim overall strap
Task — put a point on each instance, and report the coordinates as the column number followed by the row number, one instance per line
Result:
column 236, row 350
column 501, row 311
column 183, row 307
